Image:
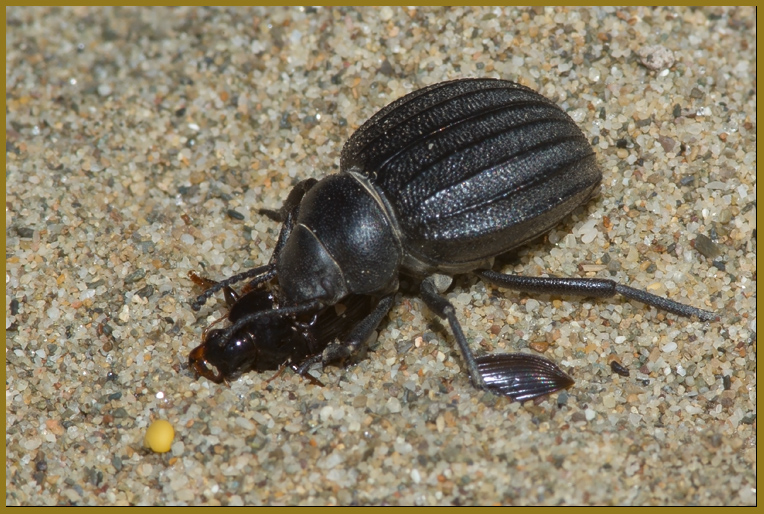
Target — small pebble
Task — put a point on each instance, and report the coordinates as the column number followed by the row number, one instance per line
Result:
column 234, row 215
column 706, row 247
column 394, row 405
column 619, row 368
column 531, row 305
column 656, row 57
column 386, row 13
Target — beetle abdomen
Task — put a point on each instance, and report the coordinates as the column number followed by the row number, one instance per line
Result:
column 473, row 168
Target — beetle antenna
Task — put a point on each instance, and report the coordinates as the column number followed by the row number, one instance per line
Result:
column 261, row 274
column 275, row 313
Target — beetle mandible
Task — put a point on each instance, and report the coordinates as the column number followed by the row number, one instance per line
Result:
column 438, row 183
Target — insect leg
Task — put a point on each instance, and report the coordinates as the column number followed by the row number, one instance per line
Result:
column 201, row 281
column 354, row 340
column 521, row 376
column 230, row 295
column 291, row 203
column 287, row 214
column 261, row 274
column 444, row 309
column 595, row 287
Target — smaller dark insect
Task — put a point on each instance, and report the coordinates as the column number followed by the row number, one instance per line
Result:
column 619, row 368
column 269, row 343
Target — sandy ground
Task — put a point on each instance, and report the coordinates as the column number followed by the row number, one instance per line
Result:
column 140, row 143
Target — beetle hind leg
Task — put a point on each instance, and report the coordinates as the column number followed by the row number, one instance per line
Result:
column 594, row 287
column 520, row 376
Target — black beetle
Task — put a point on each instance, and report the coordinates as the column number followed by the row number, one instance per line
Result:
column 439, row 182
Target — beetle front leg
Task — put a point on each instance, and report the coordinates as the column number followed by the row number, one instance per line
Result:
column 291, row 203
column 261, row 275
column 352, row 343
column 595, row 287
column 288, row 215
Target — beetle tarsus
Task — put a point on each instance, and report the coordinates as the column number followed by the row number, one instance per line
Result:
column 279, row 372
column 307, row 376
column 665, row 304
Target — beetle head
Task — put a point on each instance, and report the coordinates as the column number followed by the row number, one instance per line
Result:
column 307, row 271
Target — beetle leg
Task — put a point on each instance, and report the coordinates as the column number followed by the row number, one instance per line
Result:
column 287, row 215
column 230, row 296
column 354, row 340
column 278, row 373
column 201, row 281
column 444, row 309
column 292, row 201
column 274, row 313
column 521, row 376
column 206, row 330
column 261, row 274
column 307, row 376
column 595, row 287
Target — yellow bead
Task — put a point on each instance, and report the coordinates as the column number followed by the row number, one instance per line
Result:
column 159, row 436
